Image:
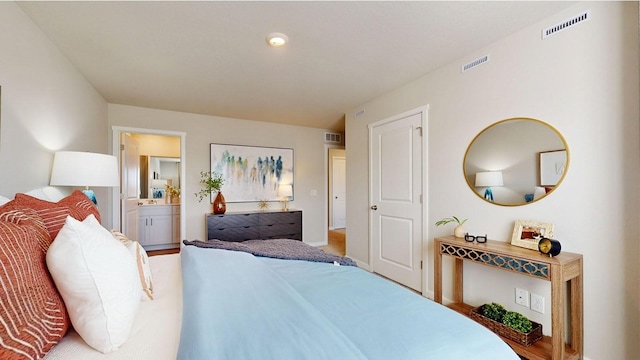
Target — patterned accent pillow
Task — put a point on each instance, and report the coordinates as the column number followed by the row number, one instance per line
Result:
column 54, row 215
column 33, row 317
column 142, row 263
column 26, row 216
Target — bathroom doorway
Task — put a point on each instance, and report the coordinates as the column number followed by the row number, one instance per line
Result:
column 151, row 172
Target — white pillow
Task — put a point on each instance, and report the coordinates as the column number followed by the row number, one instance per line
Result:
column 48, row 193
column 97, row 280
column 142, row 263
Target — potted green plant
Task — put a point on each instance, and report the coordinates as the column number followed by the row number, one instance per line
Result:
column 458, row 231
column 509, row 324
column 517, row 322
column 494, row 311
column 212, row 181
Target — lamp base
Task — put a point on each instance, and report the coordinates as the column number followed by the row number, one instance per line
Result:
column 488, row 194
column 91, row 195
column 284, row 205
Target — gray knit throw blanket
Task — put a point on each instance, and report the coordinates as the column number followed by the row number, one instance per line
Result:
column 275, row 248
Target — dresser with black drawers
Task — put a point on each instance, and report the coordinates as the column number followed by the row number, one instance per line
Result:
column 253, row 225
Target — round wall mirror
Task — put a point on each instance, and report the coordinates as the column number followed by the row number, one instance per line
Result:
column 516, row 161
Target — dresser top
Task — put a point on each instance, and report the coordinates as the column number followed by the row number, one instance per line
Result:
column 254, row 212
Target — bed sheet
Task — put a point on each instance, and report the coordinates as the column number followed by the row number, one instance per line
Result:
column 238, row 306
column 386, row 320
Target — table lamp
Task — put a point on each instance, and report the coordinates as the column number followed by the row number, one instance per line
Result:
column 77, row 168
column 488, row 179
column 284, row 192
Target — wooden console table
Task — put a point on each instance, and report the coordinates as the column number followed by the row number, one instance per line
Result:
column 560, row 270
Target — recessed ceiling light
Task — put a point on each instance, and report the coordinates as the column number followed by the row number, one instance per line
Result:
column 277, row 39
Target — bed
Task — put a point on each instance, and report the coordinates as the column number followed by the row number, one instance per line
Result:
column 216, row 303
column 271, row 308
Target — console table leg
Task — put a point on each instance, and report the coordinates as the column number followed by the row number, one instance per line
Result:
column 437, row 275
column 458, row 296
column 557, row 313
column 577, row 314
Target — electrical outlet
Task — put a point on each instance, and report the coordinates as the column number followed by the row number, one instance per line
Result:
column 522, row 297
column 537, row 303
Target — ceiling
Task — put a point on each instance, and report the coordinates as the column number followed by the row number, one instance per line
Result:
column 211, row 57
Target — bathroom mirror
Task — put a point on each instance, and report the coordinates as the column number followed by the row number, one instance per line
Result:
column 164, row 169
column 516, row 161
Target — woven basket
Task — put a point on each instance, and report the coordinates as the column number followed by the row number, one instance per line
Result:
column 503, row 330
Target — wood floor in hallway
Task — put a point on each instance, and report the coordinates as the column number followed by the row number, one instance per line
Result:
column 337, row 242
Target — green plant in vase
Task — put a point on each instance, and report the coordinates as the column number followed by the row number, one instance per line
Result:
column 458, row 231
column 212, row 181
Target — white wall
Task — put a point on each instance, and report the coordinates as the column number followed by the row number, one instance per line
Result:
column 47, row 105
column 309, row 161
column 584, row 82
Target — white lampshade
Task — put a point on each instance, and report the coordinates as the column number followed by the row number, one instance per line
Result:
column 285, row 190
column 76, row 168
column 489, row 178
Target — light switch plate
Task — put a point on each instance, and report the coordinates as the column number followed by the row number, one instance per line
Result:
column 537, row 303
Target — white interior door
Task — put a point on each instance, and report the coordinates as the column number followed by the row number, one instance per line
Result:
column 339, row 186
column 396, row 205
column 130, row 170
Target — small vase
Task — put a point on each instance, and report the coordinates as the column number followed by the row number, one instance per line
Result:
column 459, row 231
column 219, row 204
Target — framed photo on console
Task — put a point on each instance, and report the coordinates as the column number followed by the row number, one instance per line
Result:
column 527, row 233
column 252, row 173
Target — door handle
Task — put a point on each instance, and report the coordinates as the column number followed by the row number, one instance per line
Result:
column 374, row 207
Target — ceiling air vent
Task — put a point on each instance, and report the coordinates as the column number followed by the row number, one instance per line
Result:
column 475, row 63
column 334, row 138
column 582, row 17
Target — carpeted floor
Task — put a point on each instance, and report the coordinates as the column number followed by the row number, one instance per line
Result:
column 337, row 242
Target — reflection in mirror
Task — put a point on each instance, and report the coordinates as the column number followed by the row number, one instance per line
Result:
column 516, row 161
column 156, row 173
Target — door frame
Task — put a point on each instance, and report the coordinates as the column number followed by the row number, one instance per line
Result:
column 117, row 195
column 424, row 116
column 332, row 159
column 327, row 204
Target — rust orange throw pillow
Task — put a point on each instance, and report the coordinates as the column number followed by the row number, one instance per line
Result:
column 78, row 205
column 33, row 317
column 25, row 216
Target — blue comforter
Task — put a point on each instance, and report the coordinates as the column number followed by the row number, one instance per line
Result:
column 238, row 306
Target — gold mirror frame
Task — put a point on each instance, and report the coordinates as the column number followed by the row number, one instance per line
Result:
column 514, row 147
